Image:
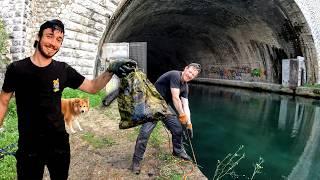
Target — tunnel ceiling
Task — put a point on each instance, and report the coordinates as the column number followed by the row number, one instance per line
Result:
column 230, row 38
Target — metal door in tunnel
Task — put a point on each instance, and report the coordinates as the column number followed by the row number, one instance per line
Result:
column 138, row 52
column 134, row 50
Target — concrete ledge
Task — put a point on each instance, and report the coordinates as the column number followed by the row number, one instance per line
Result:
column 260, row 86
column 308, row 92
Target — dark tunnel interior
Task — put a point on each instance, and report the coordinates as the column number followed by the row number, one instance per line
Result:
column 232, row 39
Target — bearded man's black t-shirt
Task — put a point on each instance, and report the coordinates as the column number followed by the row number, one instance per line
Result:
column 38, row 95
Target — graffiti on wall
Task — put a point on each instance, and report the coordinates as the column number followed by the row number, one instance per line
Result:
column 239, row 72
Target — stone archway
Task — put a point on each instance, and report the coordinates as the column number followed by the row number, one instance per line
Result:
column 231, row 39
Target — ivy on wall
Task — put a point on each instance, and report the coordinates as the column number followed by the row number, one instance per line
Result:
column 3, row 40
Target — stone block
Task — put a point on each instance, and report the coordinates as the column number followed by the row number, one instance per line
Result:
column 88, row 47
column 100, row 27
column 99, row 18
column 71, row 44
column 81, row 10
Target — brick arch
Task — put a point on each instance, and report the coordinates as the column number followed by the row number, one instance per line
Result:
column 298, row 11
column 301, row 17
column 88, row 27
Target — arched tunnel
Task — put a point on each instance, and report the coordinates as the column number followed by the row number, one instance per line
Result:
column 232, row 39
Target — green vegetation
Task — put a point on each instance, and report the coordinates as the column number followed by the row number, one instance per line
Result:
column 312, row 85
column 95, row 99
column 10, row 135
column 3, row 39
column 97, row 142
column 227, row 165
column 167, row 171
column 156, row 138
column 256, row 72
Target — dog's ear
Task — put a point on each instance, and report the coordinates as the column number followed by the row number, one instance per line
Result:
column 76, row 101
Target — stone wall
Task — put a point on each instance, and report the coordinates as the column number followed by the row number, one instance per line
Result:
column 311, row 12
column 86, row 22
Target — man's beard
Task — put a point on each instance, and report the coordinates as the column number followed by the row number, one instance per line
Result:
column 43, row 53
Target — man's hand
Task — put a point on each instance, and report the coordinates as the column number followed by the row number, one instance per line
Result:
column 122, row 67
column 183, row 119
column 190, row 131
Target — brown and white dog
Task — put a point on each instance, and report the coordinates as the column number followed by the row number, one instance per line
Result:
column 73, row 107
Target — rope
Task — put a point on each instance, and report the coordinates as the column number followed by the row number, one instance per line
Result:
column 185, row 175
column 191, row 146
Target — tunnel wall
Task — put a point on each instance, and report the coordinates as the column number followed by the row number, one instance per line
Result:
column 87, row 21
column 311, row 12
column 248, row 48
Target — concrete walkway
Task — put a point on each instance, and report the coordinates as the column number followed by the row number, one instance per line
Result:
column 261, row 86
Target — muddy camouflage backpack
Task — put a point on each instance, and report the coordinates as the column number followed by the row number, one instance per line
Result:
column 139, row 101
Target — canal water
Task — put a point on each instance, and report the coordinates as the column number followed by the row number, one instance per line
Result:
column 281, row 129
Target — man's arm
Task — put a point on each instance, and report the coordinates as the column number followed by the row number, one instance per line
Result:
column 186, row 109
column 4, row 102
column 121, row 68
column 175, row 92
column 95, row 85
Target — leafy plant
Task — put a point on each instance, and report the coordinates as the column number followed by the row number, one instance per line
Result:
column 257, row 168
column 227, row 165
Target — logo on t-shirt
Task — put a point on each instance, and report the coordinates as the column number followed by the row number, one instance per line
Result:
column 56, row 85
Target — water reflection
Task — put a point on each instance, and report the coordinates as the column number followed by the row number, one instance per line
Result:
column 281, row 129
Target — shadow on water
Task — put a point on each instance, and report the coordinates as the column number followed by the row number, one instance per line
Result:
column 283, row 130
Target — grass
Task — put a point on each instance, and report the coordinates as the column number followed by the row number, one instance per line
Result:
column 156, row 140
column 10, row 135
column 312, row 85
column 96, row 141
column 95, row 99
column 167, row 170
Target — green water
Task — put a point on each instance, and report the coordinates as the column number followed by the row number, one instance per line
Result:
column 283, row 130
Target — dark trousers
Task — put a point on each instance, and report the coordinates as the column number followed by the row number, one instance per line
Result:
column 31, row 160
column 172, row 123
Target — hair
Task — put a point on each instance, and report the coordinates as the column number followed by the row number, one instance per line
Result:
column 196, row 66
column 54, row 24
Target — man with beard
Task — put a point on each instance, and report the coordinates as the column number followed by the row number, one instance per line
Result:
column 173, row 87
column 38, row 82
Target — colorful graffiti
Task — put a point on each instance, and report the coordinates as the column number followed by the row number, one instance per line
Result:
column 236, row 72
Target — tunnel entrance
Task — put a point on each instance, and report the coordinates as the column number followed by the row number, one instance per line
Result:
column 232, row 39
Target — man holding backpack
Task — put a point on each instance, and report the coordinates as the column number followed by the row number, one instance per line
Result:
column 173, row 87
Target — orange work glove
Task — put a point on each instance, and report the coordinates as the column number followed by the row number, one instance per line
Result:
column 183, row 119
